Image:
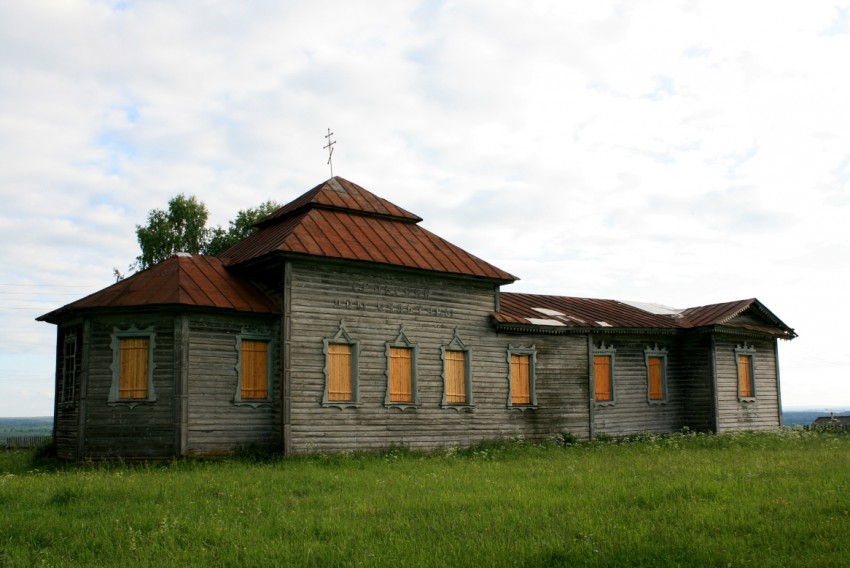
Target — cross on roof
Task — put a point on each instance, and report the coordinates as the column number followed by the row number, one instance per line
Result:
column 330, row 148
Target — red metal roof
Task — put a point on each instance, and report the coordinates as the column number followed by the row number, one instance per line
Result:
column 562, row 311
column 185, row 280
column 554, row 312
column 341, row 220
column 716, row 313
column 339, row 193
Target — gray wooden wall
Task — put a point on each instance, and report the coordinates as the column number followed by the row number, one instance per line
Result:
column 632, row 413
column 67, row 415
column 761, row 414
column 215, row 424
column 147, row 430
column 373, row 305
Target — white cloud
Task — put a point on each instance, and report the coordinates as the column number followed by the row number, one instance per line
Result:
column 667, row 152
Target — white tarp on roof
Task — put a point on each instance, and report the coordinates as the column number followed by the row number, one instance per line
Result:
column 657, row 309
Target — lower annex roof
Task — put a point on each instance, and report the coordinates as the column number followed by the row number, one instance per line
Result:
column 564, row 312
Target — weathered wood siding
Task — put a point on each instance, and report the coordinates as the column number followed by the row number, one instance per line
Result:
column 147, row 430
column 67, row 414
column 763, row 412
column 374, row 304
column 215, row 424
column 692, row 366
column 631, row 412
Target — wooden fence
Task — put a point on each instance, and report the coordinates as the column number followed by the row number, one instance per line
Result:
column 26, row 441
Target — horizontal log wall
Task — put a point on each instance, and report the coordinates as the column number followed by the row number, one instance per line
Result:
column 631, row 412
column 143, row 431
column 66, row 421
column 373, row 305
column 692, row 367
column 216, row 424
column 763, row 412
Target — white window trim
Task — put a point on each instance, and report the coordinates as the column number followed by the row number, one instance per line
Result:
column 343, row 338
column 114, row 391
column 660, row 352
column 749, row 351
column 531, row 351
column 457, row 345
column 606, row 351
column 237, row 396
column 403, row 342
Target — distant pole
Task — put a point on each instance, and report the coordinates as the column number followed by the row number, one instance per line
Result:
column 330, row 149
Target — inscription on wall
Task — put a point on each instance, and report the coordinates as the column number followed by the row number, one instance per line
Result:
column 393, row 301
column 391, row 290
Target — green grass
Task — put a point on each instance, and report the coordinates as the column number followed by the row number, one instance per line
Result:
column 779, row 499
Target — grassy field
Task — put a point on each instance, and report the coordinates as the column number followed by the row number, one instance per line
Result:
column 780, row 499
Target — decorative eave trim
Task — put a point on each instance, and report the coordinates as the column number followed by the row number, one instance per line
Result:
column 61, row 316
column 287, row 255
column 739, row 332
column 563, row 330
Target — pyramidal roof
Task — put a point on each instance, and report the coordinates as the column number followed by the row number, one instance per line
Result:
column 184, row 280
column 341, row 220
column 342, row 195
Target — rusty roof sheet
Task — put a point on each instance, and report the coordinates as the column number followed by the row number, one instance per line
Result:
column 185, row 280
column 339, row 193
column 553, row 312
column 361, row 227
column 562, row 311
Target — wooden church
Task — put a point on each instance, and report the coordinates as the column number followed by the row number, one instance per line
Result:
column 342, row 324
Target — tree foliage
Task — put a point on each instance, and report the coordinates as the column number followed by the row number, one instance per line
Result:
column 240, row 227
column 183, row 228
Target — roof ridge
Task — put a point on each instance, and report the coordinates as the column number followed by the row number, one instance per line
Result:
column 339, row 194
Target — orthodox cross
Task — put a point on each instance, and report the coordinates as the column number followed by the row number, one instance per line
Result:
column 330, row 149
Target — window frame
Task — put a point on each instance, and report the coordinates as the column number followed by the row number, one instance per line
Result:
column 68, row 378
column 660, row 353
column 748, row 351
column 114, row 398
column 604, row 351
column 342, row 338
column 531, row 353
column 238, row 400
column 402, row 342
column 457, row 346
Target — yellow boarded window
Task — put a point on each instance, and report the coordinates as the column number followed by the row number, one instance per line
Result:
column 455, row 377
column 401, row 374
column 656, row 380
column 255, row 369
column 602, row 377
column 133, row 382
column 339, row 372
column 520, row 379
column 745, row 376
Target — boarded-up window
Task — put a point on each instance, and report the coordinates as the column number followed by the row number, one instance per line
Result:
column 339, row 372
column 520, row 379
column 655, row 367
column 745, row 376
column 255, row 369
column 133, row 381
column 455, row 377
column 602, row 377
column 401, row 374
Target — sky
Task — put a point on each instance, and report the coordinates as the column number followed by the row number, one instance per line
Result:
column 683, row 153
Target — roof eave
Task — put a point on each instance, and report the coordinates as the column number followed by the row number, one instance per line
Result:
column 286, row 255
